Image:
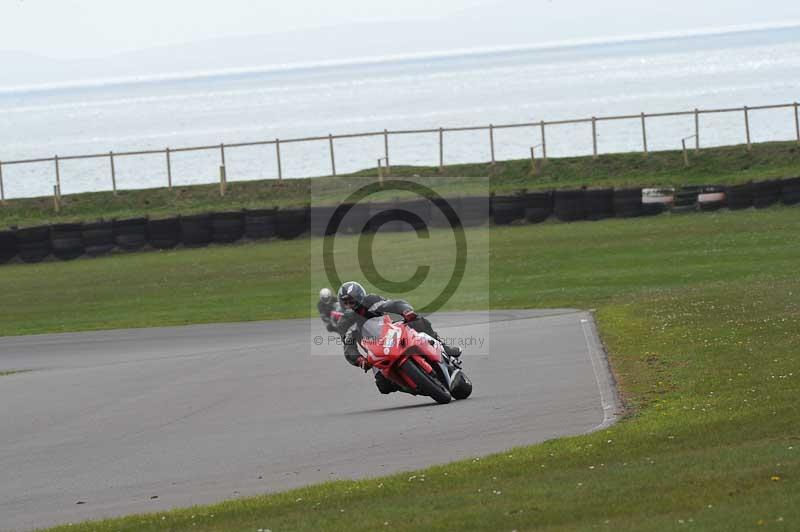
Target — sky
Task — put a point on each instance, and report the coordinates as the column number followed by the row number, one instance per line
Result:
column 61, row 41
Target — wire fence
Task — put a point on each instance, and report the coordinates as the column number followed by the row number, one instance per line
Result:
column 385, row 160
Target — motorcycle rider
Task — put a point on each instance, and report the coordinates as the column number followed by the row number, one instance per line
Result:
column 328, row 308
column 359, row 307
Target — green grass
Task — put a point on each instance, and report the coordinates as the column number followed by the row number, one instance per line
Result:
column 14, row 372
column 701, row 317
column 731, row 164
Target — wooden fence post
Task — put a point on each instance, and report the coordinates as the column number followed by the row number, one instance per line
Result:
column 2, row 189
column 56, row 202
column 333, row 156
column 747, row 127
column 169, row 170
column 223, row 180
column 644, row 135
column 685, row 154
column 278, row 153
column 113, row 172
column 544, row 144
column 386, row 151
column 696, row 130
column 797, row 122
column 491, row 141
column 441, row 149
column 594, row 137
column 58, row 176
column 222, row 153
column 533, row 160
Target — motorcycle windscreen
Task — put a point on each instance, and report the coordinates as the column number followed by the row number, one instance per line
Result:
column 372, row 329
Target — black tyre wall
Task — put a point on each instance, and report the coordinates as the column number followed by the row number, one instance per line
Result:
column 164, row 234
column 686, row 199
column 98, row 238
column 66, row 241
column 419, row 208
column 739, row 196
column 508, row 209
column 569, row 205
column 227, row 227
column 8, row 246
column 321, row 218
column 473, row 211
column 130, row 234
column 766, row 193
column 538, row 206
column 260, row 224
column 628, row 202
column 375, row 211
column 599, row 203
column 33, row 243
column 437, row 211
column 196, row 230
column 790, row 191
column 291, row 223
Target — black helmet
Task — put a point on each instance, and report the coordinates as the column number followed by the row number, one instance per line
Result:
column 352, row 294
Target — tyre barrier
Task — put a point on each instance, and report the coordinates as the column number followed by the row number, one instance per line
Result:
column 227, row 227
column 165, row 233
column 98, row 238
column 438, row 218
column 418, row 209
column 66, row 241
column 766, row 193
column 130, row 234
column 790, row 191
column 599, row 203
column 291, row 223
column 569, row 205
column 473, row 211
column 627, row 202
column 376, row 222
column 686, row 199
column 508, row 209
column 356, row 219
column 33, row 243
column 320, row 220
column 657, row 200
column 196, row 230
column 538, row 206
column 739, row 196
column 711, row 199
column 8, row 246
column 260, row 224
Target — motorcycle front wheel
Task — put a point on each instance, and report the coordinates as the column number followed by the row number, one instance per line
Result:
column 426, row 384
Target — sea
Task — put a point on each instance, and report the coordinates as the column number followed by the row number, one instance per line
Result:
column 450, row 89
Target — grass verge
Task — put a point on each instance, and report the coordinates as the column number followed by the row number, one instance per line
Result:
column 730, row 164
column 700, row 315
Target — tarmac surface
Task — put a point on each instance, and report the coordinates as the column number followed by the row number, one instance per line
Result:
column 112, row 423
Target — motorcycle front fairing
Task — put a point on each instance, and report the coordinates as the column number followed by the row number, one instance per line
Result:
column 389, row 345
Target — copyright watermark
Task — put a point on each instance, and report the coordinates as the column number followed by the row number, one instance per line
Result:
column 422, row 240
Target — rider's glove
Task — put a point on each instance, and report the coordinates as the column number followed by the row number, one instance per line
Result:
column 363, row 363
column 409, row 316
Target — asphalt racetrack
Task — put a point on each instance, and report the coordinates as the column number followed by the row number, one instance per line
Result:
column 112, row 423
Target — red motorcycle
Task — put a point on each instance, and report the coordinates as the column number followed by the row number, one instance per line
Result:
column 413, row 360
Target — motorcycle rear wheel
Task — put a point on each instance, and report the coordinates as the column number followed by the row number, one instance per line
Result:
column 426, row 384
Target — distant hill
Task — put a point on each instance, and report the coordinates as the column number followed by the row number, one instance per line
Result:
column 504, row 23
